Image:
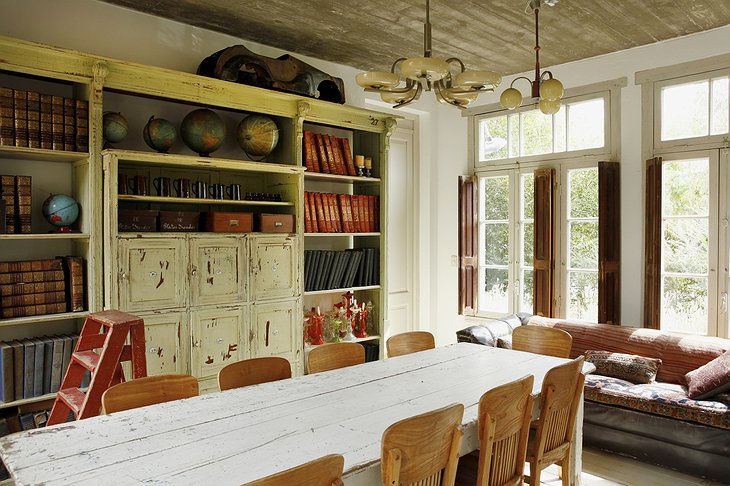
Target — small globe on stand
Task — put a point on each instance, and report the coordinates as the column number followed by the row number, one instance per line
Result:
column 257, row 135
column 159, row 134
column 61, row 211
column 115, row 128
column 203, row 131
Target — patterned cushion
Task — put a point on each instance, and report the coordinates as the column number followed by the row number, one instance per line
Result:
column 630, row 367
column 658, row 398
column 505, row 342
column 710, row 379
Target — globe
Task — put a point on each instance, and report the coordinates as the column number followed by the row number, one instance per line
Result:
column 203, row 131
column 257, row 135
column 159, row 134
column 61, row 211
column 115, row 127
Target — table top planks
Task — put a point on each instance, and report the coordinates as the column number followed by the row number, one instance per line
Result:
column 239, row 435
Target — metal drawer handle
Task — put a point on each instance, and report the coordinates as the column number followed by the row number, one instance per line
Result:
column 277, row 224
column 152, row 351
column 219, row 340
column 266, row 341
column 153, row 274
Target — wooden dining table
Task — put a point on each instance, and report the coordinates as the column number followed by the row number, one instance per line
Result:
column 237, row 436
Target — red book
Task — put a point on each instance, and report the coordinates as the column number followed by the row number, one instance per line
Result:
column 355, row 215
column 364, row 213
column 348, row 201
column 337, row 154
column 349, row 163
column 307, row 149
column 326, row 217
column 322, row 154
column 346, row 221
column 330, row 212
column 336, row 211
column 377, row 213
column 307, row 215
column 330, row 154
column 373, row 214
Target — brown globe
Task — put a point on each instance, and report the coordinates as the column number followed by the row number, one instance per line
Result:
column 258, row 135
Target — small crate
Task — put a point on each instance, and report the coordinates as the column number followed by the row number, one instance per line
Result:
column 275, row 223
column 179, row 221
column 220, row 222
column 137, row 220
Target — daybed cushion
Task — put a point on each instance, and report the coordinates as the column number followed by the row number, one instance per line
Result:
column 658, row 398
column 629, row 367
column 710, row 379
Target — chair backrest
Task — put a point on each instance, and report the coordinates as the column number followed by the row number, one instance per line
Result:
column 542, row 340
column 559, row 400
column 409, row 342
column 325, row 471
column 504, row 427
column 253, row 372
column 333, row 356
column 148, row 391
column 423, row 449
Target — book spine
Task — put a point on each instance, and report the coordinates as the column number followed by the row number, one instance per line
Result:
column 33, row 310
column 82, row 126
column 307, row 214
column 337, row 155
column 336, row 212
column 317, row 166
column 31, row 266
column 307, row 148
column 316, row 221
column 75, row 283
column 350, row 218
column 57, row 126
column 46, row 122
column 330, row 154
column 7, row 114
column 355, row 215
column 32, row 299
column 322, row 154
column 20, row 117
column 69, row 124
column 34, row 119
column 349, row 162
column 23, row 203
column 346, row 221
column 31, row 277
column 7, row 193
column 377, row 213
column 321, row 216
column 32, row 288
column 371, row 209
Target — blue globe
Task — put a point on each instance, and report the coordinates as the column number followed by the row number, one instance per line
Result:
column 60, row 210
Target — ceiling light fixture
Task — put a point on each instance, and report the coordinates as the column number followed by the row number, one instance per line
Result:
column 545, row 87
column 428, row 73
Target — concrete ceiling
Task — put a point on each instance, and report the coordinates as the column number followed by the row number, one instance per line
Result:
column 486, row 34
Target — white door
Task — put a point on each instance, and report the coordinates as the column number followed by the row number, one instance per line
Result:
column 402, row 312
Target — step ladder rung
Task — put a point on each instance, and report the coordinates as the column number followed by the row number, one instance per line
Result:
column 73, row 397
column 87, row 359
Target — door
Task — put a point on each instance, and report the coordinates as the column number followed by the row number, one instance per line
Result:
column 166, row 342
column 277, row 330
column 401, row 230
column 217, row 340
column 274, row 267
column 217, row 273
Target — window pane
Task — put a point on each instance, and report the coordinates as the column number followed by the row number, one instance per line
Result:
column 686, row 187
column 496, row 198
column 719, row 114
column 559, row 123
column 537, row 133
column 528, row 243
column 583, row 187
column 685, row 248
column 495, row 290
column 493, row 138
column 583, row 298
column 583, row 245
column 527, row 290
column 585, row 125
column 514, row 135
column 528, row 196
column 685, row 110
column 684, row 304
column 496, row 243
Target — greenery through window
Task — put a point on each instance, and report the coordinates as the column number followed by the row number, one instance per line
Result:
column 527, row 239
column 494, row 230
column 695, row 109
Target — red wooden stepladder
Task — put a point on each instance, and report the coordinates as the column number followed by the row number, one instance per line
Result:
column 107, row 331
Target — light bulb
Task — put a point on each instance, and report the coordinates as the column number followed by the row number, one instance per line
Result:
column 551, row 89
column 549, row 107
column 511, row 98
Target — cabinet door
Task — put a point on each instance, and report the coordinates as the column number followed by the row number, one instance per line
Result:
column 167, row 341
column 217, row 274
column 274, row 267
column 277, row 330
column 152, row 273
column 217, row 339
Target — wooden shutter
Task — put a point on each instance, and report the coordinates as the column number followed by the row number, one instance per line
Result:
column 609, row 243
column 468, row 244
column 544, row 259
column 653, row 243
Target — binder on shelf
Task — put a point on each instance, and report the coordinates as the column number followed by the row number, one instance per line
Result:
column 7, row 389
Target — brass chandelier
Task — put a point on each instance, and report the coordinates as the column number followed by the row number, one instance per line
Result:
column 418, row 74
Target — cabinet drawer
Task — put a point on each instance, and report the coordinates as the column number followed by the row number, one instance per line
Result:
column 274, row 264
column 217, row 337
column 152, row 273
column 277, row 330
column 217, row 270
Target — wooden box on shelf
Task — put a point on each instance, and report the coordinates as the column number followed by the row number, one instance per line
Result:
column 179, row 221
column 138, row 220
column 275, row 223
column 222, row 222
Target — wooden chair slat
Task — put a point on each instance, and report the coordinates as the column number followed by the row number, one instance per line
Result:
column 148, row 391
column 325, row 471
column 547, row 341
column 409, row 342
column 253, row 372
column 334, row 356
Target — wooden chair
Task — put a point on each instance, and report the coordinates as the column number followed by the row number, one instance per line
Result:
column 542, row 340
column 148, row 391
column 409, row 342
column 325, row 471
column 253, row 372
column 551, row 435
column 423, row 450
column 334, row 356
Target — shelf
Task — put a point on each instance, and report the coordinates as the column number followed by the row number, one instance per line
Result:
column 340, row 234
column 26, row 153
column 25, row 401
column 340, row 291
column 16, row 321
column 307, row 347
column 46, row 236
column 191, row 200
column 197, row 162
column 316, row 176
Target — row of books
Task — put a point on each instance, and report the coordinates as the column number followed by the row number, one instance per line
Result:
column 40, row 287
column 32, row 119
column 327, row 154
column 329, row 269
column 340, row 213
column 34, row 367
column 15, row 204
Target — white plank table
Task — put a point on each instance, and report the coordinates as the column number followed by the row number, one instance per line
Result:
column 240, row 435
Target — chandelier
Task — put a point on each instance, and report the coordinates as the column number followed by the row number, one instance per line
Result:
column 545, row 87
column 417, row 74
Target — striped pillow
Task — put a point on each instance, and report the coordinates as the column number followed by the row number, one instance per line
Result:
column 629, row 367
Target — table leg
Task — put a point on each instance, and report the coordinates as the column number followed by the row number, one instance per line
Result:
column 576, row 454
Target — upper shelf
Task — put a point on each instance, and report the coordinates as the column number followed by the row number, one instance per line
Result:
column 181, row 200
column 26, row 153
column 317, row 176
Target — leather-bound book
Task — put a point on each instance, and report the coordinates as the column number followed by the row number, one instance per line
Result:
column 74, row 270
column 34, row 119
column 23, row 203
column 69, row 124
column 3, row 223
column 23, row 300
column 322, row 219
column 337, row 155
column 82, row 126
column 18, row 358
column 355, row 215
column 31, row 277
column 307, row 151
column 322, row 154
column 33, row 310
column 7, row 391
column 31, row 265
column 349, row 163
column 330, row 155
column 57, row 122
column 7, row 194
column 7, row 114
column 316, row 165
column 307, row 215
column 46, row 121
column 20, row 117
column 32, row 288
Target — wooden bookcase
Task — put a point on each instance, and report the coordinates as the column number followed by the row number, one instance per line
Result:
column 258, row 308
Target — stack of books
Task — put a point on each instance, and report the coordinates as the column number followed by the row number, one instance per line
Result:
column 327, row 154
column 340, row 213
column 35, row 120
column 328, row 269
column 15, row 192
